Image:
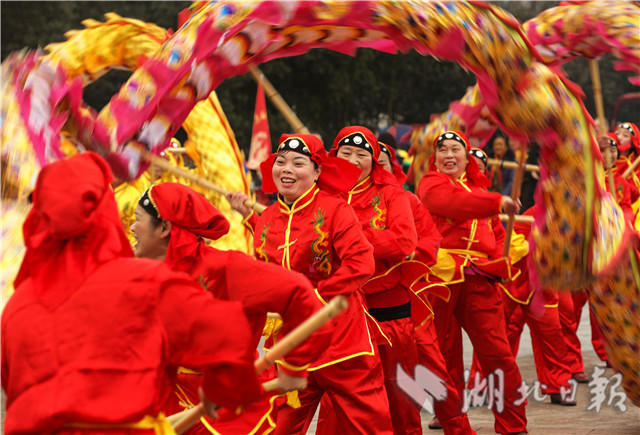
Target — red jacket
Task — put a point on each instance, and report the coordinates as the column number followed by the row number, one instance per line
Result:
column 102, row 356
column 429, row 238
column 261, row 288
column 387, row 221
column 462, row 212
column 624, row 190
column 319, row 237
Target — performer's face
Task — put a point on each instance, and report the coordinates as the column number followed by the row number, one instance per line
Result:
column 151, row 240
column 480, row 164
column 499, row 147
column 385, row 161
column 451, row 158
column 293, row 174
column 359, row 157
column 624, row 135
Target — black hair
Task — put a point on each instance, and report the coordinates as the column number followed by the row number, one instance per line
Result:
column 388, row 139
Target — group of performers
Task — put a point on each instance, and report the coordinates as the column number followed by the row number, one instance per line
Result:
column 95, row 341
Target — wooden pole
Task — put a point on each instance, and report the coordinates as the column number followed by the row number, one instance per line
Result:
column 597, row 94
column 173, row 419
column 278, row 101
column 167, row 166
column 515, row 193
column 518, row 218
column 284, row 346
column 512, row 165
column 631, row 168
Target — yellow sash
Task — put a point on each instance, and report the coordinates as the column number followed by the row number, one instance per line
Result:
column 159, row 424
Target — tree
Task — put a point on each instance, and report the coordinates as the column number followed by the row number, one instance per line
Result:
column 326, row 89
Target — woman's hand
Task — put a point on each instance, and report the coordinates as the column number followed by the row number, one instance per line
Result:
column 210, row 408
column 237, row 200
column 509, row 206
column 287, row 382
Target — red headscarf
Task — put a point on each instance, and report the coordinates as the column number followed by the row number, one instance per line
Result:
column 72, row 228
column 472, row 170
column 336, row 175
column 378, row 174
column 479, row 153
column 635, row 137
column 191, row 215
column 401, row 177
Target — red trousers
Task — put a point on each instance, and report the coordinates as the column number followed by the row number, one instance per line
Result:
column 355, row 389
column 405, row 412
column 549, row 349
column 579, row 299
column 477, row 307
column 448, row 411
column 569, row 325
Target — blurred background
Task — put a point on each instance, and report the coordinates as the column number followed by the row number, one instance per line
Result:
column 327, row 90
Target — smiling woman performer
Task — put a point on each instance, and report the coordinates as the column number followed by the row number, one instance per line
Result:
column 314, row 232
column 386, row 219
column 455, row 192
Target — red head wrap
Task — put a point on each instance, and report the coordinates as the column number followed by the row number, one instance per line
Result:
column 336, row 175
column 635, row 137
column 360, row 137
column 472, row 170
column 401, row 177
column 72, row 228
column 479, row 153
column 191, row 215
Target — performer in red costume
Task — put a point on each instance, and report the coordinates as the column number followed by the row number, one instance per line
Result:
column 628, row 136
column 312, row 231
column 172, row 221
column 448, row 411
column 90, row 335
column 385, row 217
column 454, row 191
column 549, row 349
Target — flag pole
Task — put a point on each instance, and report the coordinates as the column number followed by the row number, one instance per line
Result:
column 515, row 194
column 167, row 166
column 278, row 101
column 597, row 94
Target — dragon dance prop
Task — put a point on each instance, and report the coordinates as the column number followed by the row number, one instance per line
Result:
column 588, row 29
column 579, row 236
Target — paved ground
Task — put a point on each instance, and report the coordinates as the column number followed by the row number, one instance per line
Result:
column 545, row 418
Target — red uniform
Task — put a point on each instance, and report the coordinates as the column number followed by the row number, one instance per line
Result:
column 318, row 236
column 552, row 364
column 623, row 163
column 461, row 209
column 386, row 219
column 449, row 410
column 569, row 324
column 90, row 334
column 232, row 275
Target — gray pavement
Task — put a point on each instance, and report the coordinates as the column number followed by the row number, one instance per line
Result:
column 547, row 419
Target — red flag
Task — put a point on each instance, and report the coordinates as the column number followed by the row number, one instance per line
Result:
column 260, row 138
